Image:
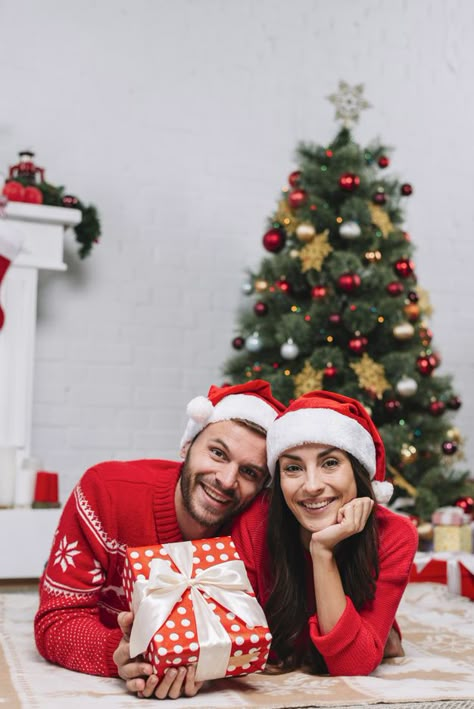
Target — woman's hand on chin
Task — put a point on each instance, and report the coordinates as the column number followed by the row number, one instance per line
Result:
column 351, row 519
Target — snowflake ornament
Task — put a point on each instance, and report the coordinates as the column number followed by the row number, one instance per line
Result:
column 349, row 103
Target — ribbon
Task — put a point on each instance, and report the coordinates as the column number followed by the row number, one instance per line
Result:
column 154, row 598
column 453, row 565
column 452, row 516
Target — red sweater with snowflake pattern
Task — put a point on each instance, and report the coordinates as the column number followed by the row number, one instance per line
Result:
column 356, row 643
column 115, row 505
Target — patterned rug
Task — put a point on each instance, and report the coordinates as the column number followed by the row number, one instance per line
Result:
column 437, row 672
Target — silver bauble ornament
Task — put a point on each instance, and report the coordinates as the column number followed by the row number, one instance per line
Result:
column 406, row 387
column 403, row 331
column 305, row 232
column 349, row 230
column 289, row 349
column 247, row 288
column 253, row 343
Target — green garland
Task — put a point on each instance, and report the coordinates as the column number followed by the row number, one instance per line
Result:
column 88, row 230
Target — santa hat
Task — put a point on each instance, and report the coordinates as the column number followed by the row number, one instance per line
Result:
column 335, row 420
column 252, row 401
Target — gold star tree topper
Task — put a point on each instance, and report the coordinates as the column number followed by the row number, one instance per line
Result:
column 349, row 103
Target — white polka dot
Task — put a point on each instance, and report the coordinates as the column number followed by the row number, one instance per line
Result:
column 253, row 650
column 212, row 606
column 230, row 616
column 193, row 646
column 158, row 638
column 196, row 560
column 174, row 637
column 185, row 622
column 210, row 558
column 189, row 634
column 177, row 661
column 181, row 610
column 236, row 556
column 156, row 659
column 254, row 638
column 193, row 658
column 137, row 566
column 198, row 570
column 206, row 547
column 178, row 649
column 170, row 623
column 246, row 666
column 162, row 651
column 224, row 557
column 239, row 640
column 149, row 552
column 238, row 652
column 231, row 543
column 134, row 555
column 235, row 627
column 231, row 668
column 268, row 636
column 193, row 547
column 220, row 545
column 163, row 552
column 141, row 577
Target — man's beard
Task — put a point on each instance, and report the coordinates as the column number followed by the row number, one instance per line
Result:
column 189, row 482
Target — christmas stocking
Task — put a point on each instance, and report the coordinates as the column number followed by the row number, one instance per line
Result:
column 10, row 245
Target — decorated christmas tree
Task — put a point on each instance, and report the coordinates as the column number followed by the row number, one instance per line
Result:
column 336, row 305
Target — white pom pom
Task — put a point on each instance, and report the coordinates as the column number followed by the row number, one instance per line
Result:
column 383, row 491
column 200, row 409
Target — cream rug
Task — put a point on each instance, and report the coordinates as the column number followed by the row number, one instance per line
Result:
column 437, row 672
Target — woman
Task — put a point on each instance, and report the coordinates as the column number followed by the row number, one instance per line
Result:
column 331, row 565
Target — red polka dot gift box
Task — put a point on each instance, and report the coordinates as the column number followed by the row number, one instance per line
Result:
column 193, row 604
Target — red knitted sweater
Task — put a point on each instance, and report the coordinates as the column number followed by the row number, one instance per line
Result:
column 115, row 505
column 356, row 643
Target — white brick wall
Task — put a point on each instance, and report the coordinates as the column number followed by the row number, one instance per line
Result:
column 179, row 121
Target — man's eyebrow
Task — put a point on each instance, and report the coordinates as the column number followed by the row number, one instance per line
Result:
column 262, row 469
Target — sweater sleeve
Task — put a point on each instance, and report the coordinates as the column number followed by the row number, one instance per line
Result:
column 68, row 627
column 249, row 535
column 356, row 643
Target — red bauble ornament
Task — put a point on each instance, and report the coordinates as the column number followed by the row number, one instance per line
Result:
column 465, row 503
column 330, row 371
column 349, row 182
column 383, row 161
column 14, row 191
column 406, row 189
column 394, row 288
column 33, row 195
column 413, row 296
column 434, row 359
column 424, row 366
column 454, row 403
column 260, row 308
column 274, row 240
column 70, row 201
column 348, row 282
column 449, row 447
column 318, row 292
column 404, row 267
column 297, row 198
column 392, row 406
column 437, row 408
column 284, row 286
column 238, row 343
column 379, row 198
column 335, row 318
column 294, row 177
column 357, row 345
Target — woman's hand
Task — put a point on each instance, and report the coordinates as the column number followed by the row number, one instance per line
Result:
column 351, row 519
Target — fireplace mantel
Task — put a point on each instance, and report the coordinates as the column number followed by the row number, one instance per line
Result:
column 42, row 230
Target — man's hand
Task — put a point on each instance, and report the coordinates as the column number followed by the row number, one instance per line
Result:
column 393, row 646
column 138, row 674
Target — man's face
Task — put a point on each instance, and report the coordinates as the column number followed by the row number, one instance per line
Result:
column 225, row 468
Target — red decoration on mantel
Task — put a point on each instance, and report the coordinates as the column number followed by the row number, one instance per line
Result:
column 26, row 168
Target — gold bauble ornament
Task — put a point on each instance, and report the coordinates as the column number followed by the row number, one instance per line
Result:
column 305, row 232
column 313, row 254
column 453, row 434
column 403, row 331
column 294, row 253
column 260, row 285
column 408, row 453
column 412, row 311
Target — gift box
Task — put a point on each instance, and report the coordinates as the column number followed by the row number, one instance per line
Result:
column 455, row 569
column 452, row 538
column 451, row 516
column 193, row 604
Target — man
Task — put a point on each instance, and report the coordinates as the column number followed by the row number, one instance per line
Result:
column 137, row 503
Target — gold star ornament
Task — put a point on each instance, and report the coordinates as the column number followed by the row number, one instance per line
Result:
column 313, row 254
column 285, row 216
column 308, row 379
column 381, row 219
column 349, row 103
column 371, row 375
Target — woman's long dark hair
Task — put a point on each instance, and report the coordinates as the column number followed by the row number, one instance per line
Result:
column 287, row 607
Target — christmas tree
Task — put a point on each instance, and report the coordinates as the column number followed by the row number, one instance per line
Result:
column 337, row 306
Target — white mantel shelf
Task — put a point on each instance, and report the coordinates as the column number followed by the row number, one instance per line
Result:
column 26, row 537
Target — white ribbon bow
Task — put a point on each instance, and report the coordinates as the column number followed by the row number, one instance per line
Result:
column 154, row 599
column 453, row 565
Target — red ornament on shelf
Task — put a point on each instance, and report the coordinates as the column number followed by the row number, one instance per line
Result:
column 424, row 366
column 274, row 240
column 294, row 177
column 404, row 267
column 437, row 408
column 349, row 181
column 358, row 345
column 406, row 189
column 330, row 371
column 238, row 343
column 449, row 447
column 33, row 195
column 260, row 308
column 394, row 288
column 318, row 292
column 14, row 191
column 383, row 161
column 297, row 198
column 379, row 198
column 349, row 282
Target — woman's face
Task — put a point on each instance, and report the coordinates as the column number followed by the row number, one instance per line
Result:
column 316, row 481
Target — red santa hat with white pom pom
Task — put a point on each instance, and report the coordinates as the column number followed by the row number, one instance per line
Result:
column 335, row 420
column 252, row 401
